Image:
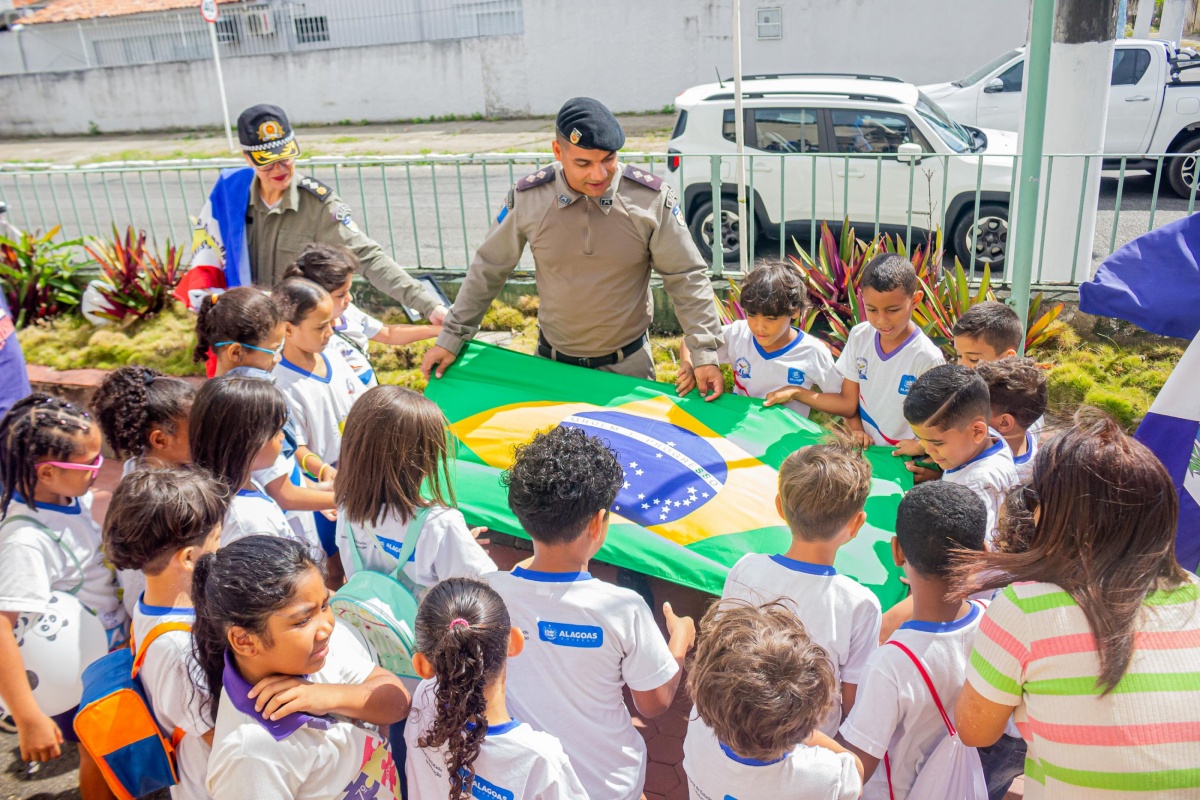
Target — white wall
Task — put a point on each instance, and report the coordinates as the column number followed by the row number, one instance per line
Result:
column 636, row 57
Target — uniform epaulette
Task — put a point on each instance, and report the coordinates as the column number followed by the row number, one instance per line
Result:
column 644, row 178
column 544, row 175
column 315, row 187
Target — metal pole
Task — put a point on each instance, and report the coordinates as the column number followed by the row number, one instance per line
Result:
column 212, row 35
column 1028, row 190
column 739, row 135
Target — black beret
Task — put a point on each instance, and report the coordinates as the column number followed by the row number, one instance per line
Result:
column 266, row 134
column 587, row 123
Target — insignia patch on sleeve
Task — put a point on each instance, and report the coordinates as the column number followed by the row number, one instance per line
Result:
column 503, row 213
column 677, row 213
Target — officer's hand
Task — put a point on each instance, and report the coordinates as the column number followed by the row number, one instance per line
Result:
column 438, row 357
column 711, row 381
column 685, row 381
column 438, row 315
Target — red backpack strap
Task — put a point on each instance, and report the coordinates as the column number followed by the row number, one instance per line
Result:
column 929, row 683
column 140, row 649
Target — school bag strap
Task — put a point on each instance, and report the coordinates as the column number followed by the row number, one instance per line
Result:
column 140, row 649
column 887, row 766
column 411, row 534
column 54, row 537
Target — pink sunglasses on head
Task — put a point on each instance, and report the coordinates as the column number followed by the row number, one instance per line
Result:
column 93, row 467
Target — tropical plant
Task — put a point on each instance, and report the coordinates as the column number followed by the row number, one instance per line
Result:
column 136, row 281
column 36, row 275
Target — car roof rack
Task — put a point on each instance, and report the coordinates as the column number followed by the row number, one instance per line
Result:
column 855, row 76
column 867, row 98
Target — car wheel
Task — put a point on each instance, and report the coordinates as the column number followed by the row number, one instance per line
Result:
column 728, row 232
column 1181, row 171
column 985, row 241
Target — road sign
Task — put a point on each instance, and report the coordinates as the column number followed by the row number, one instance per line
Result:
column 208, row 10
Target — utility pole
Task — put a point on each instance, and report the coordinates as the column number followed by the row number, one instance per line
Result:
column 1145, row 15
column 1170, row 27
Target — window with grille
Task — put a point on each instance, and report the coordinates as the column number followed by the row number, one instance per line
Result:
column 312, row 29
column 770, row 23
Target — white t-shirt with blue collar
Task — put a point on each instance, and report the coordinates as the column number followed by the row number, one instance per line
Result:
column 584, row 641
column 253, row 513
column 515, row 762
column 990, row 475
column 1024, row 464
column 884, row 378
column 716, row 772
column 894, row 712
column 805, row 362
column 319, row 405
column 839, row 613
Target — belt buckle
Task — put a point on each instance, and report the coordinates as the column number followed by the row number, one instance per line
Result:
column 585, row 362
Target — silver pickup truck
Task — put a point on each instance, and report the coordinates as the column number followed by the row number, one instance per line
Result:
column 1153, row 107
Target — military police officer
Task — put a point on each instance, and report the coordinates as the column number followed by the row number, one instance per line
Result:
column 285, row 213
column 596, row 228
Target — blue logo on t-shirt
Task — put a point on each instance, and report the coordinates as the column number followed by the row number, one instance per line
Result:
column 564, row 635
column 795, row 376
column 906, row 382
column 393, row 548
column 742, row 367
column 482, row 790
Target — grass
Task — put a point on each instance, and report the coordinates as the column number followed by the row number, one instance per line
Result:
column 164, row 342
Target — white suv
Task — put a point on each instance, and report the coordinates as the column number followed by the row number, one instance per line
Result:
column 826, row 147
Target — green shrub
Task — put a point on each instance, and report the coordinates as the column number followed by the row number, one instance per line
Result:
column 503, row 318
column 1069, row 384
column 163, row 342
column 1126, row 405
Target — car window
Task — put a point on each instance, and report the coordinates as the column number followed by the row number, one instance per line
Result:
column 1129, row 65
column 873, row 131
column 727, row 129
column 1013, row 77
column 786, row 130
column 987, row 69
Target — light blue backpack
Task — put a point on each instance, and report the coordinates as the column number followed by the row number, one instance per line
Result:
column 382, row 608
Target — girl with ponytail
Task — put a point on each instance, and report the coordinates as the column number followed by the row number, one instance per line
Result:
column 288, row 687
column 461, row 740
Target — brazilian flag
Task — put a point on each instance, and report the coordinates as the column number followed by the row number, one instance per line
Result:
column 700, row 478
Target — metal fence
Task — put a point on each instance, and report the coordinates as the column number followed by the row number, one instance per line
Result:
column 431, row 212
column 253, row 28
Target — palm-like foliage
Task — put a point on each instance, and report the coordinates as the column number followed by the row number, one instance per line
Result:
column 136, row 282
column 36, row 275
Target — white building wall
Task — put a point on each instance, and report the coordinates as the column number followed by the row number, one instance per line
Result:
column 632, row 54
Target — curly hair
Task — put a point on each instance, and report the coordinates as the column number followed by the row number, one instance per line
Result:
column 155, row 513
column 134, row 400
column 935, row 519
column 774, row 289
column 559, row 480
column 244, row 314
column 1016, row 386
column 462, row 627
column 36, row 426
column 758, row 680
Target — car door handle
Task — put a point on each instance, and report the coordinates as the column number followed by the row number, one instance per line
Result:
column 1141, row 98
column 854, row 173
column 760, row 166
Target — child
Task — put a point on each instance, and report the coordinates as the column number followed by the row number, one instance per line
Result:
column 895, row 714
column 1017, row 388
column 49, row 457
column 237, row 428
column 395, row 444
column 585, row 639
column 762, row 688
column 770, row 357
column 161, row 522
column 320, row 386
column 332, row 267
column 462, row 742
column 822, row 492
column 882, row 358
column 948, row 408
column 987, row 331
column 289, row 688
column 144, row 416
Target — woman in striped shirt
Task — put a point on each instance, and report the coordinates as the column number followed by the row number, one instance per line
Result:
column 1093, row 645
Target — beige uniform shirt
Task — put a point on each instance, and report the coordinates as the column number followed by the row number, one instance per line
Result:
column 593, row 258
column 310, row 212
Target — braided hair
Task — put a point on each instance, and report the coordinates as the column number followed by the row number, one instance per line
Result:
column 243, row 314
column 462, row 627
column 37, row 426
column 134, row 400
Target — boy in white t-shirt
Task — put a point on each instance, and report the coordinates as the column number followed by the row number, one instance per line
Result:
column 762, row 687
column 822, row 492
column 895, row 714
column 1017, row 388
column 991, row 331
column 770, row 357
column 882, row 358
column 585, row 639
column 949, row 409
column 160, row 522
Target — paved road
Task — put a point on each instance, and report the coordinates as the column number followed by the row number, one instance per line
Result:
column 426, row 215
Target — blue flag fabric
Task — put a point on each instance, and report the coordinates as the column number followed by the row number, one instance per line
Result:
column 1153, row 281
column 230, row 198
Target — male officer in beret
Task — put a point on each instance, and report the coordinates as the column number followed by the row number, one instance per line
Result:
column 597, row 228
column 257, row 221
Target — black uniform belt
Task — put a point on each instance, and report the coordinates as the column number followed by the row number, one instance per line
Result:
column 546, row 351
